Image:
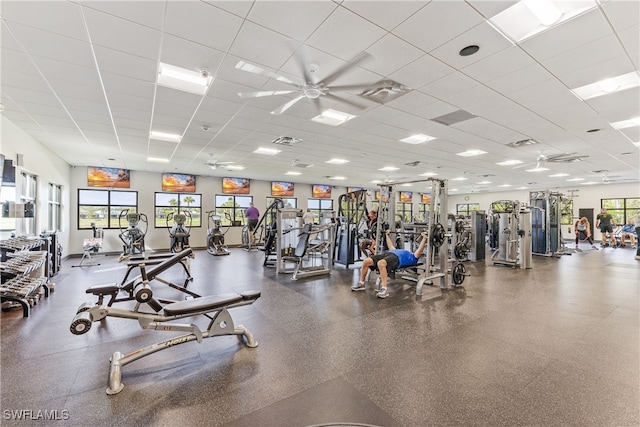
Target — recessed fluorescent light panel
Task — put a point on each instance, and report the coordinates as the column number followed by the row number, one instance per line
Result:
column 607, row 86
column 509, row 163
column 388, row 169
column 332, row 117
column 530, row 17
column 470, row 153
column 460, row 178
column 626, row 123
column 337, row 178
column 417, row 139
column 637, row 144
column 337, row 161
column 293, row 173
column 589, row 183
column 234, row 167
column 157, row 160
column 484, row 182
column 558, row 175
column 376, row 181
column 267, row 151
column 428, row 174
column 182, row 79
column 575, row 179
column 522, row 188
column 537, row 169
column 163, row 136
column 504, row 185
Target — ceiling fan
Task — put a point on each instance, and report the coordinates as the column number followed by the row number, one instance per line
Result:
column 556, row 158
column 213, row 164
column 312, row 88
column 607, row 178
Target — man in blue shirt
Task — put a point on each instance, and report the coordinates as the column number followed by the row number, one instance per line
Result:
column 393, row 259
column 629, row 230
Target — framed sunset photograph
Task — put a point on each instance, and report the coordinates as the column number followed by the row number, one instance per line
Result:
column 406, row 196
column 426, row 197
column 178, row 183
column 108, row 177
column 282, row 189
column 320, row 191
column 235, row 186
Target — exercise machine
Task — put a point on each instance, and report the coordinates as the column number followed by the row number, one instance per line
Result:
column 313, row 253
column 127, row 287
column 547, row 210
column 91, row 246
column 436, row 263
column 478, row 229
column 215, row 236
column 180, row 231
column 511, row 228
column 352, row 219
column 266, row 231
column 132, row 236
column 151, row 314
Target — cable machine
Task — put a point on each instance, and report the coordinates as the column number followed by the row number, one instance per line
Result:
column 547, row 211
column 352, row 212
column 511, row 234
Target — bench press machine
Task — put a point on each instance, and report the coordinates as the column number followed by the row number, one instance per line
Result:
column 316, row 252
column 160, row 318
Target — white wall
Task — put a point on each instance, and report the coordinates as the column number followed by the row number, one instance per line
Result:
column 48, row 167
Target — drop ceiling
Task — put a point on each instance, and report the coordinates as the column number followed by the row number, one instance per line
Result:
column 80, row 77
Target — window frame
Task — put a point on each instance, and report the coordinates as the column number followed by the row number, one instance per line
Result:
column 111, row 222
column 317, row 211
column 54, row 204
column 627, row 210
column 466, row 212
column 196, row 220
column 236, row 212
column 28, row 194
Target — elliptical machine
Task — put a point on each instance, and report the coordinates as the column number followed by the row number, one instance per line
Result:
column 132, row 237
column 215, row 236
column 180, row 232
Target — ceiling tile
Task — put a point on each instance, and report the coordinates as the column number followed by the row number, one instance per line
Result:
column 378, row 12
column 309, row 15
column 147, row 13
column 38, row 14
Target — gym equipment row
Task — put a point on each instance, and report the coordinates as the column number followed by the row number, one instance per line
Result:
column 313, row 253
column 215, row 236
column 151, row 314
column 547, row 210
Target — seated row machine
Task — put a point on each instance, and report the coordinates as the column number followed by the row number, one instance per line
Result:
column 160, row 318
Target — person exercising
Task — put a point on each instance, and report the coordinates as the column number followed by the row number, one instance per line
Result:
column 390, row 260
column 253, row 215
column 604, row 221
column 583, row 231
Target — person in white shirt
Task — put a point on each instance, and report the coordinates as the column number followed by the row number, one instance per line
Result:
column 307, row 217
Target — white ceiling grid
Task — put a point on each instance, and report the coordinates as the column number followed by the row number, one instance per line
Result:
column 98, row 110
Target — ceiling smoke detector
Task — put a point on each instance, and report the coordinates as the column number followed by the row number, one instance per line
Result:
column 286, row 140
column 385, row 91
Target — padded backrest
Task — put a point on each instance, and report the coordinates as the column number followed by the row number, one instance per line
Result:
column 301, row 249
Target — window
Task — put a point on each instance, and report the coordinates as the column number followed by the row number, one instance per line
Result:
column 404, row 211
column 317, row 206
column 28, row 197
column 55, row 208
column 423, row 212
column 466, row 208
column 234, row 206
column 288, row 203
column 7, row 194
column 166, row 203
column 103, row 207
column 621, row 209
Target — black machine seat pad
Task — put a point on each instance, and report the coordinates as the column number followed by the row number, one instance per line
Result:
column 211, row 303
column 105, row 289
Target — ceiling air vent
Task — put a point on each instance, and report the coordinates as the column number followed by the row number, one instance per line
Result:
column 286, row 140
column 302, row 165
column 384, row 91
column 522, row 143
column 453, row 118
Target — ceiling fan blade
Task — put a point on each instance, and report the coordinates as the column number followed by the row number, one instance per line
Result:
column 301, row 57
column 262, row 93
column 349, row 88
column 346, row 67
column 316, row 102
column 286, row 106
column 345, row 101
column 250, row 68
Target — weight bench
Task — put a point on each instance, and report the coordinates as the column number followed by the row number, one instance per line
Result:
column 214, row 307
column 162, row 262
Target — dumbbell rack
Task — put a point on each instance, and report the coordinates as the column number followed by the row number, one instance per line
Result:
column 22, row 272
